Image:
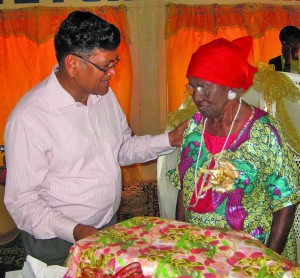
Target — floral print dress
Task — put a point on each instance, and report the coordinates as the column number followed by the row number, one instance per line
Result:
column 263, row 179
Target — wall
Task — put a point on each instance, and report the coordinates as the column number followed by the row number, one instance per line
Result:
column 146, row 20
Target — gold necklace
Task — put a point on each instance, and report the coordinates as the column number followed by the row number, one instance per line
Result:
column 199, row 195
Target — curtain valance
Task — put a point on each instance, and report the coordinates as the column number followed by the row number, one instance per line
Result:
column 256, row 19
column 41, row 23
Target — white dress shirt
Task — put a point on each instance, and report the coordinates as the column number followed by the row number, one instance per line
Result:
column 63, row 160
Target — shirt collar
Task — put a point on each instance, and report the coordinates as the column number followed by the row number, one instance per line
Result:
column 58, row 97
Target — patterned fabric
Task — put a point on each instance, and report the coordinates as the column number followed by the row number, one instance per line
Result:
column 168, row 248
column 138, row 199
column 12, row 256
column 265, row 182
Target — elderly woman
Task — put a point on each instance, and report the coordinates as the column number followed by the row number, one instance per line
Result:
column 235, row 169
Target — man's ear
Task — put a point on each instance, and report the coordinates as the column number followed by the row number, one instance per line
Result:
column 71, row 63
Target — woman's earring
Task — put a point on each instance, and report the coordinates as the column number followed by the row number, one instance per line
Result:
column 231, row 94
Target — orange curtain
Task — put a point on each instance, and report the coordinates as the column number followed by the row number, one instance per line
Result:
column 189, row 26
column 27, row 53
column 27, row 56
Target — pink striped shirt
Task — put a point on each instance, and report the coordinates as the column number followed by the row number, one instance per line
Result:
column 63, row 160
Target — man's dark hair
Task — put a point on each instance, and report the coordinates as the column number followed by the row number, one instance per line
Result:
column 289, row 32
column 83, row 32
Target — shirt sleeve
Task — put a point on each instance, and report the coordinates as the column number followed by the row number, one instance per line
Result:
column 138, row 149
column 27, row 167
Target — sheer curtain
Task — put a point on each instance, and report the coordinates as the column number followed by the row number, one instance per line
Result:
column 27, row 55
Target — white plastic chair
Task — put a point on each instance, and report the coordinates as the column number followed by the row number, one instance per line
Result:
column 297, row 218
column 293, row 107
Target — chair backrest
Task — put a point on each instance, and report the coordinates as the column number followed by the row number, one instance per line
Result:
column 296, row 80
column 295, row 77
column 297, row 216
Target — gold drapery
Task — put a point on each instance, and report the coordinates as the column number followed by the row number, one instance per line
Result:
column 189, row 26
column 27, row 56
column 276, row 87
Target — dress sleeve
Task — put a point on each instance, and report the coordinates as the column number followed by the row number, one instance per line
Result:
column 283, row 182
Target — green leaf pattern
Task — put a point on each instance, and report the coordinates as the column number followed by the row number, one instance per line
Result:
column 172, row 249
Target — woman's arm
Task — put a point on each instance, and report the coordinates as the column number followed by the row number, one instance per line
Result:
column 282, row 222
column 180, row 214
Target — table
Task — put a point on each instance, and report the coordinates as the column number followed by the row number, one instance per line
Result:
column 169, row 248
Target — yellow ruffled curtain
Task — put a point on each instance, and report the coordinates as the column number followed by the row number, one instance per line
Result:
column 27, row 56
column 189, row 26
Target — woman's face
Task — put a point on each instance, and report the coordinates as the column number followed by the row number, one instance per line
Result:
column 210, row 98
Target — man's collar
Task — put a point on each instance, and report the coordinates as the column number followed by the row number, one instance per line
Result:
column 58, row 97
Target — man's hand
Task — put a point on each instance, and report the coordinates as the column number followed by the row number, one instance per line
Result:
column 81, row 231
column 287, row 52
column 175, row 136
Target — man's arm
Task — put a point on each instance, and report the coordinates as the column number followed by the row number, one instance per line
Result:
column 282, row 222
column 27, row 168
column 139, row 149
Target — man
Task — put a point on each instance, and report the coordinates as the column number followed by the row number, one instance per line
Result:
column 289, row 61
column 66, row 139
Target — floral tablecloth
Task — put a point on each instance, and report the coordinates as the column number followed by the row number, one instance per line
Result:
column 169, row 248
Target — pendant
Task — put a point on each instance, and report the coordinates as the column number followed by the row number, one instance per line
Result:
column 222, row 177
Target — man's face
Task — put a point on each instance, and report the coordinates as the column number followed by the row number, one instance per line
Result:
column 96, row 71
column 291, row 44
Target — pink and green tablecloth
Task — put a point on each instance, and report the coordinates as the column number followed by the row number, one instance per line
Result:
column 169, row 248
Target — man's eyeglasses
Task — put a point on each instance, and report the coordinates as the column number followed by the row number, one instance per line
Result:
column 110, row 65
column 197, row 90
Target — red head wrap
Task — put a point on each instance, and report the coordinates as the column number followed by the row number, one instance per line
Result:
column 224, row 63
